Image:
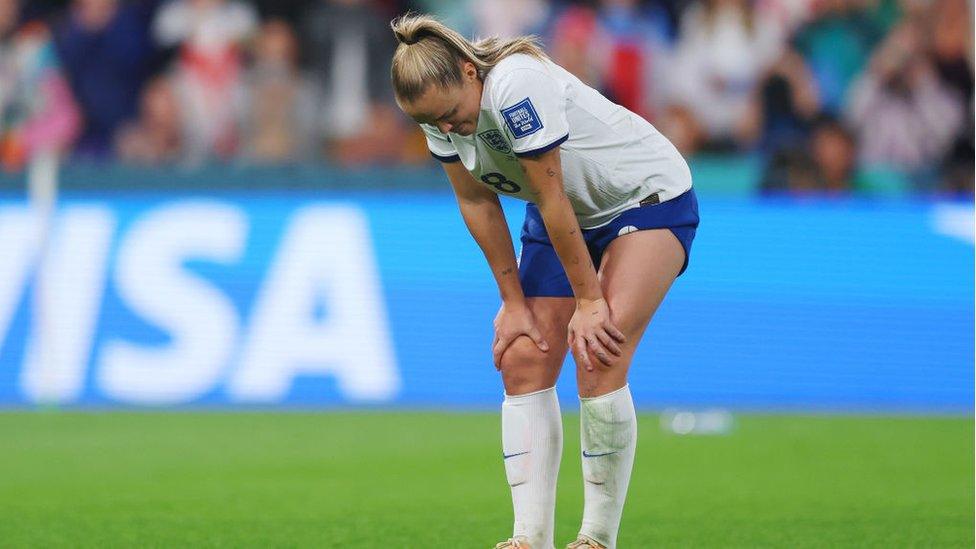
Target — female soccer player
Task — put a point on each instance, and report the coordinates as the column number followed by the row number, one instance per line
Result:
column 608, row 227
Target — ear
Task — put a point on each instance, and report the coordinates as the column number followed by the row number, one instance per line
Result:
column 470, row 71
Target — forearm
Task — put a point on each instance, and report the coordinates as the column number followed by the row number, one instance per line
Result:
column 546, row 177
column 486, row 223
column 567, row 239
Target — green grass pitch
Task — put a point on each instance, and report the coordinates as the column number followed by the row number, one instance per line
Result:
column 411, row 479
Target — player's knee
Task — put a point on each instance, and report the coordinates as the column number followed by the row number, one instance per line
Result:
column 598, row 383
column 587, row 381
column 523, row 353
column 589, row 385
column 525, row 368
column 601, row 379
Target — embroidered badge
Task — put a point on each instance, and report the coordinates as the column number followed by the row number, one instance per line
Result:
column 522, row 119
column 495, row 140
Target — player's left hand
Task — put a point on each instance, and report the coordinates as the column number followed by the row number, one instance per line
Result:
column 592, row 331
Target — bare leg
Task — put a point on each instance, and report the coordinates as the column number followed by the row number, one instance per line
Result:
column 526, row 369
column 532, row 430
column 636, row 272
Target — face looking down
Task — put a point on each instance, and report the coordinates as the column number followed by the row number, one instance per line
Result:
column 453, row 109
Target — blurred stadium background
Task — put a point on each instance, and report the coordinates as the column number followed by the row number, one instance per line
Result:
column 212, row 210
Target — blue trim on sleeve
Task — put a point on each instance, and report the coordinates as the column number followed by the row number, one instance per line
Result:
column 446, row 159
column 540, row 150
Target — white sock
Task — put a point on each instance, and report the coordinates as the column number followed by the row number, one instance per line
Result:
column 608, row 431
column 532, row 444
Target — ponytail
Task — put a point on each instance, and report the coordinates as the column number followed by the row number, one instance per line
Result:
column 430, row 53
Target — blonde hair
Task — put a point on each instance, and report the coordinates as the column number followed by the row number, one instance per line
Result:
column 431, row 53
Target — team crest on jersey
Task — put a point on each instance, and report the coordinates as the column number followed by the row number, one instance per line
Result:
column 522, row 119
column 495, row 140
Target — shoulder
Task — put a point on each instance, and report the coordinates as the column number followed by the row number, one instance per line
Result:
column 516, row 65
column 521, row 73
column 521, row 61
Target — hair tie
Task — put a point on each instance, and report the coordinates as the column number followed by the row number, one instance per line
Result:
column 404, row 40
column 417, row 37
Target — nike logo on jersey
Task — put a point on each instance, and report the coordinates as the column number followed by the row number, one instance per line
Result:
column 506, row 456
column 587, row 455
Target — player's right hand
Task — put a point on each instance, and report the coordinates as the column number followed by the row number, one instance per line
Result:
column 512, row 321
column 592, row 331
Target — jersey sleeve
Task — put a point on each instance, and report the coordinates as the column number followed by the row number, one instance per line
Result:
column 440, row 146
column 531, row 106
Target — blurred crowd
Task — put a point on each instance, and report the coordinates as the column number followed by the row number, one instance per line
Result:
column 829, row 95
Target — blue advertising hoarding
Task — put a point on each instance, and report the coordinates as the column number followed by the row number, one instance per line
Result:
column 305, row 299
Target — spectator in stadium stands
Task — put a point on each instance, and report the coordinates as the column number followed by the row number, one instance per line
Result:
column 723, row 49
column 156, row 137
column 785, row 104
column 836, row 45
column 789, row 171
column 349, row 46
column 279, row 121
column 37, row 110
column 640, row 40
column 207, row 72
column 903, row 115
column 621, row 49
column 826, row 163
column 577, row 41
column 952, row 50
column 106, row 53
column 834, row 154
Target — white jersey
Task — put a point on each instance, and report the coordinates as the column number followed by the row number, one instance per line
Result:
column 611, row 158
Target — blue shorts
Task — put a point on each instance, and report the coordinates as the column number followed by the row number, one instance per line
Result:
column 542, row 274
